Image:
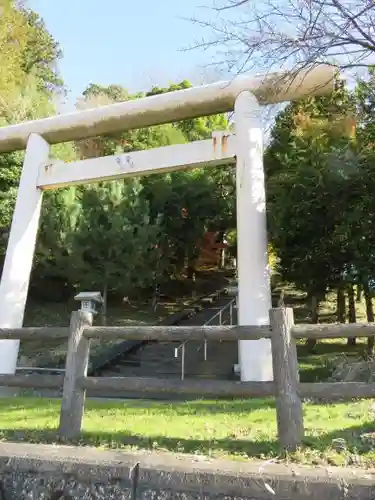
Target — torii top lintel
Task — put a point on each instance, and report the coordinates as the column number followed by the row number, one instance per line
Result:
column 183, row 104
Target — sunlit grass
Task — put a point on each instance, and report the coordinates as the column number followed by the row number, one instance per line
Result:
column 231, row 429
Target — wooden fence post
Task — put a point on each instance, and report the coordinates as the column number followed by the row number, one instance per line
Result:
column 286, row 379
column 73, row 399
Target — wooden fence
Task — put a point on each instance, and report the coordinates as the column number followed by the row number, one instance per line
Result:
column 286, row 387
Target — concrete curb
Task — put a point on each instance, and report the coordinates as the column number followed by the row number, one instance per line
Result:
column 190, row 474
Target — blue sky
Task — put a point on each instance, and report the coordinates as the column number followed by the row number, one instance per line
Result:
column 135, row 43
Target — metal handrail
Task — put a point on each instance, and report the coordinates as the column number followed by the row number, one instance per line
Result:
column 221, row 322
column 219, row 314
column 182, row 347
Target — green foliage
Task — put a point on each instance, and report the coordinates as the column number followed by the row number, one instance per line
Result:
column 321, row 171
column 310, row 175
column 207, row 196
column 114, row 241
column 365, row 98
column 41, row 53
column 100, row 236
column 326, row 120
column 28, row 76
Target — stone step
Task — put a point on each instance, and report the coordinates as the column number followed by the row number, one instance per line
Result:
column 216, row 361
column 146, row 372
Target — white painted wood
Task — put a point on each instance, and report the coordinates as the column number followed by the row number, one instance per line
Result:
column 20, row 251
column 254, row 289
column 220, row 150
column 206, row 100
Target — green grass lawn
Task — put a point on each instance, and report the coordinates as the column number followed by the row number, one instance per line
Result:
column 231, row 429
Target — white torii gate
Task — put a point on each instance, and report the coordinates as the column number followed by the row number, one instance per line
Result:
column 243, row 95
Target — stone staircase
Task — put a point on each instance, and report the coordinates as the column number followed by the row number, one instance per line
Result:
column 157, row 359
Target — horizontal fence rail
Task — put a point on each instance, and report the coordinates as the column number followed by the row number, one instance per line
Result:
column 336, row 391
column 32, row 381
column 285, row 387
column 333, row 331
column 180, row 333
column 30, row 333
column 213, row 388
column 325, row 391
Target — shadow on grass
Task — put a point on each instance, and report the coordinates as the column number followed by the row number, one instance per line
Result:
column 124, row 439
column 353, row 438
column 322, row 445
column 232, row 446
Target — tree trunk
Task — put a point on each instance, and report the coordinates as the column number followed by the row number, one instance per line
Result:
column 359, row 293
column 370, row 318
column 105, row 303
column 351, row 310
column 314, row 309
column 341, row 305
column 311, row 343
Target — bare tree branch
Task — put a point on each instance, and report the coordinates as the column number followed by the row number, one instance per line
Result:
column 231, row 5
column 290, row 34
